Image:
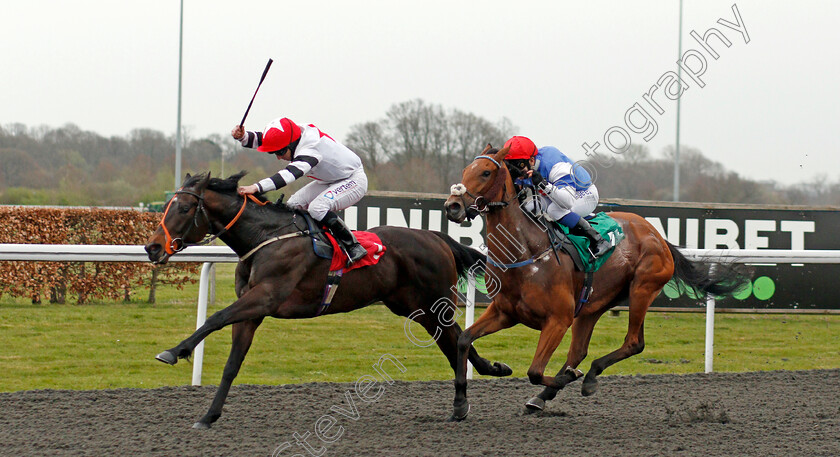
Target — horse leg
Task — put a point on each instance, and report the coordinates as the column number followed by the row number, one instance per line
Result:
column 445, row 333
column 241, row 276
column 242, row 336
column 490, row 322
column 550, row 337
column 256, row 303
column 485, row 367
column 447, row 341
column 641, row 298
column 581, row 335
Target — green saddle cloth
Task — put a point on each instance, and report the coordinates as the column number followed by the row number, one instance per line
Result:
column 608, row 228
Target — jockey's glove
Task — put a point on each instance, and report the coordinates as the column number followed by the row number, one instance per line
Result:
column 536, row 178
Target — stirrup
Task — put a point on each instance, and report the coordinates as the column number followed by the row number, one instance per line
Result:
column 360, row 253
column 593, row 248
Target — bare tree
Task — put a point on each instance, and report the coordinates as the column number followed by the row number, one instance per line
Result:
column 369, row 141
column 413, row 132
column 415, row 146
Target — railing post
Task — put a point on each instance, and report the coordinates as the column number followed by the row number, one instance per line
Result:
column 470, row 313
column 200, row 317
column 212, row 295
column 710, row 329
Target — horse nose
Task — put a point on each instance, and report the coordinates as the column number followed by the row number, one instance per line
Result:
column 452, row 206
column 153, row 250
column 454, row 211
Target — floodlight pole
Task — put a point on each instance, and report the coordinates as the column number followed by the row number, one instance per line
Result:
column 679, row 82
column 178, row 128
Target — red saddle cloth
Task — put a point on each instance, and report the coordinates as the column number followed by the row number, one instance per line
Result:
column 369, row 241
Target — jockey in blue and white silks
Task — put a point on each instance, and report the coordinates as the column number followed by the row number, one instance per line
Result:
column 565, row 190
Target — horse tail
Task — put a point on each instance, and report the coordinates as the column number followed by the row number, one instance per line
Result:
column 724, row 279
column 465, row 257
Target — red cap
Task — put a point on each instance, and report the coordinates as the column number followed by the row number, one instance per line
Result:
column 520, row 148
column 278, row 134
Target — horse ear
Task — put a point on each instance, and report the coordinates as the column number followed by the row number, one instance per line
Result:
column 203, row 183
column 186, row 178
column 487, row 148
column 503, row 153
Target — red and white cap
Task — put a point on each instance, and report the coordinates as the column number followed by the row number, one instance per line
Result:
column 278, row 134
column 520, row 148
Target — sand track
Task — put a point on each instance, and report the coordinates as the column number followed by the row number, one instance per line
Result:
column 765, row 413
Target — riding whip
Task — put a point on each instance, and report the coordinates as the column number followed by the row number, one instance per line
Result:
column 262, row 78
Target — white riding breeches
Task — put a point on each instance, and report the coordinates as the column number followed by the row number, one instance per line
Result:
column 583, row 203
column 320, row 197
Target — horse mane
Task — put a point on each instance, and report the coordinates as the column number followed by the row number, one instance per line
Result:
column 228, row 186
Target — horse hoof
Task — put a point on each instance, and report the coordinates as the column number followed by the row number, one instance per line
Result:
column 460, row 413
column 167, row 357
column 502, row 369
column 589, row 388
column 534, row 404
column 201, row 425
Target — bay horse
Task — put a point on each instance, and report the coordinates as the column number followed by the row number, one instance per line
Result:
column 285, row 279
column 543, row 292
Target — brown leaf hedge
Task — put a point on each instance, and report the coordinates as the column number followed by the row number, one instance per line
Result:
column 83, row 282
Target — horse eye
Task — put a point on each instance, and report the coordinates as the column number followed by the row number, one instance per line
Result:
column 184, row 208
column 486, row 173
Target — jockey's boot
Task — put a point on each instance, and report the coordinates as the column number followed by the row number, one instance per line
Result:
column 345, row 237
column 598, row 245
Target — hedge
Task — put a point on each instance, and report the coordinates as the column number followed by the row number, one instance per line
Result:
column 83, row 281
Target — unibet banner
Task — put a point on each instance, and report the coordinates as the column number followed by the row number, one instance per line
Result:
column 783, row 286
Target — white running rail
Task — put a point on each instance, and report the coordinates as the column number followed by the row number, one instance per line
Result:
column 130, row 253
column 223, row 254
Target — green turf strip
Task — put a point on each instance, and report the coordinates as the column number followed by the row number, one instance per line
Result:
column 110, row 345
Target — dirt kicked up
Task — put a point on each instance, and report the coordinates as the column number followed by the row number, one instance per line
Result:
column 765, row 413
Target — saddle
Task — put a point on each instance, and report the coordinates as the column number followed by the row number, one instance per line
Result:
column 577, row 248
column 320, row 243
column 560, row 240
column 326, row 247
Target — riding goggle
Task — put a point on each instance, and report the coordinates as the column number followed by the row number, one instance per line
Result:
column 522, row 164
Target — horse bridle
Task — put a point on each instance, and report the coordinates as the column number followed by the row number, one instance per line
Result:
column 481, row 203
column 175, row 245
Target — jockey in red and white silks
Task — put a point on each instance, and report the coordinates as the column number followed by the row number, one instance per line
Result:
column 339, row 177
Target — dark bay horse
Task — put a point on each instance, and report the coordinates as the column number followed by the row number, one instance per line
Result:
column 286, row 280
column 543, row 294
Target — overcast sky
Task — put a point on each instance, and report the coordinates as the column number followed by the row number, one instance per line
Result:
column 563, row 72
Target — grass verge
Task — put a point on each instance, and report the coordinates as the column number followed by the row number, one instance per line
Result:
column 111, row 345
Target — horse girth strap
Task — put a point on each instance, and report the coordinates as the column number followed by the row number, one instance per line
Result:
column 272, row 240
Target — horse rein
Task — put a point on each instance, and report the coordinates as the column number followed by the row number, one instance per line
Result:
column 174, row 245
column 460, row 189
